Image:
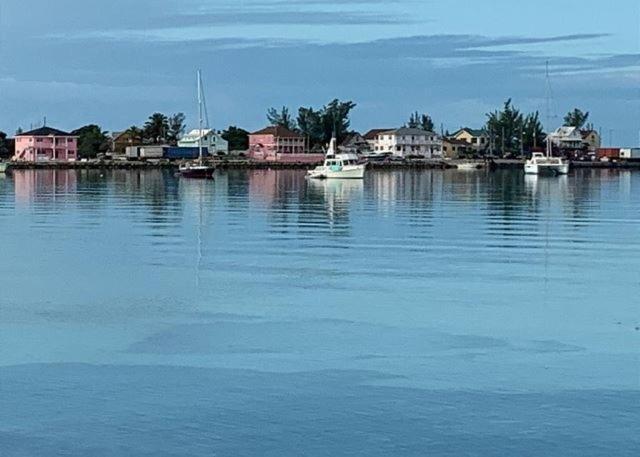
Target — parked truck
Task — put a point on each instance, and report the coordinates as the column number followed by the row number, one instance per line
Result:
column 132, row 152
column 184, row 153
column 608, row 154
column 152, row 152
column 630, row 153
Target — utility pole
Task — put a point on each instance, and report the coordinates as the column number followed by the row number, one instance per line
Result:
column 502, row 151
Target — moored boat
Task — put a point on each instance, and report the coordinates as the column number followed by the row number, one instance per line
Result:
column 546, row 164
column 198, row 169
column 4, row 167
column 338, row 166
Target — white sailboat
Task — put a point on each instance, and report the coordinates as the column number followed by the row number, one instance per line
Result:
column 540, row 164
column 338, row 166
column 198, row 169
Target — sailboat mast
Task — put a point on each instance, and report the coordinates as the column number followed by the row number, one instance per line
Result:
column 200, row 116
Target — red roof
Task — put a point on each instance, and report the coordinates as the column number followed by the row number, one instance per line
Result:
column 278, row 131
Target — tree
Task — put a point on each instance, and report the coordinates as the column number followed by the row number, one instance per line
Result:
column 507, row 128
column 156, row 129
column 135, row 134
column 238, row 138
column 176, row 128
column 92, row 141
column 310, row 125
column 281, row 118
column 4, row 146
column 576, row 118
column 335, row 119
column 421, row 121
column 534, row 136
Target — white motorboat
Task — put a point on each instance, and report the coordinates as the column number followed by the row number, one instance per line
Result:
column 338, row 166
column 541, row 164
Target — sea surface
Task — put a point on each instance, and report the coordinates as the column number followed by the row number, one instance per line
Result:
column 417, row 313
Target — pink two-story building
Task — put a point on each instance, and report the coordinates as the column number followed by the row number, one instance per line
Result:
column 46, row 144
column 279, row 144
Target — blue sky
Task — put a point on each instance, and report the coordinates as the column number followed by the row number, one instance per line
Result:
column 113, row 62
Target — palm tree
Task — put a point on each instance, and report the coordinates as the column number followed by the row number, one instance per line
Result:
column 135, row 134
column 156, row 128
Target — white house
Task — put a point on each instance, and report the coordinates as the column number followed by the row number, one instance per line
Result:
column 407, row 142
column 567, row 138
column 210, row 139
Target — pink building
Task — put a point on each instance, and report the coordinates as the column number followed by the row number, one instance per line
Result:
column 46, row 144
column 278, row 144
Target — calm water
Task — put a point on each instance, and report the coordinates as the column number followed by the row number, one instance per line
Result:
column 417, row 313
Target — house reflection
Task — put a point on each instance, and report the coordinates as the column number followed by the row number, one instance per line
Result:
column 44, row 185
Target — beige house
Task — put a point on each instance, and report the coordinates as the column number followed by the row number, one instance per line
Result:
column 592, row 140
column 478, row 139
column 454, row 149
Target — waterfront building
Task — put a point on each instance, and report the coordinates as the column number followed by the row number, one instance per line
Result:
column 46, row 144
column 567, row 138
column 408, row 142
column 372, row 135
column 211, row 139
column 591, row 139
column 477, row 138
column 279, row 144
column 454, row 149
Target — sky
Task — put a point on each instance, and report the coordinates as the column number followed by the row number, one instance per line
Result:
column 114, row 62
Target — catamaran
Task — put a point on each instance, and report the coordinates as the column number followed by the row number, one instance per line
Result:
column 540, row 164
column 338, row 166
column 198, row 169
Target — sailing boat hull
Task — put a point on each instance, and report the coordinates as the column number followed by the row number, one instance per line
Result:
column 197, row 172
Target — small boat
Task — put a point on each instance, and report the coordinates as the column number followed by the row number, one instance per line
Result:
column 469, row 166
column 546, row 164
column 338, row 166
column 4, row 167
column 198, row 169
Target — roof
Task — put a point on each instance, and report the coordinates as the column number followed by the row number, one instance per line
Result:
column 586, row 133
column 567, row 133
column 454, row 141
column 408, row 131
column 278, row 131
column 46, row 131
column 472, row 132
column 196, row 133
column 353, row 138
column 372, row 134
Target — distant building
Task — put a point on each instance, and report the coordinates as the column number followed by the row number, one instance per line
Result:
column 120, row 141
column 566, row 138
column 453, row 149
column 408, row 142
column 478, row 139
column 355, row 143
column 46, row 144
column 591, row 139
column 279, row 144
column 372, row 136
column 210, row 139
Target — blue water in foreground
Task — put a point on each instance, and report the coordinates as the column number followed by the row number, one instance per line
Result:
column 422, row 313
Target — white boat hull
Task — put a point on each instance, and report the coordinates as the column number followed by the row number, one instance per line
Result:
column 353, row 172
column 538, row 169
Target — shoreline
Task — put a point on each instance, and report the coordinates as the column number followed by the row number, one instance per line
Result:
column 253, row 165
